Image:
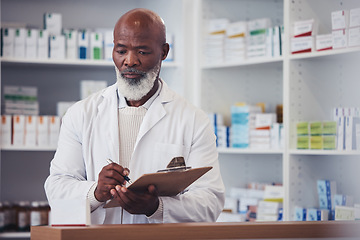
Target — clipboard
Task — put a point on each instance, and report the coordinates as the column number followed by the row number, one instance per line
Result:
column 168, row 183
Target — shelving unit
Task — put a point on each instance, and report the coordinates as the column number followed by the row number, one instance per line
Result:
column 308, row 85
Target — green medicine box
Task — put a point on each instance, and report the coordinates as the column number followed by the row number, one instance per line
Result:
column 316, row 128
column 302, row 142
column 302, row 128
column 329, row 128
column 329, row 142
column 316, row 142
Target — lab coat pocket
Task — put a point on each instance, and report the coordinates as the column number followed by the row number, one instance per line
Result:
column 164, row 152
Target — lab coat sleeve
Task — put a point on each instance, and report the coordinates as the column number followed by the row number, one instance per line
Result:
column 67, row 179
column 204, row 199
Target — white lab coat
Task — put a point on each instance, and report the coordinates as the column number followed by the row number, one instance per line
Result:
column 171, row 127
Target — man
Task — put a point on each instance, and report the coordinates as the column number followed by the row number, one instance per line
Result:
column 140, row 124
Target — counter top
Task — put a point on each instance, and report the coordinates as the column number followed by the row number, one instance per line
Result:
column 246, row 230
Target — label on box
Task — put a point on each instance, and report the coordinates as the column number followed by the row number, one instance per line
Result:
column 354, row 37
column 301, row 44
column 340, row 39
column 303, row 28
column 339, row 20
column 354, row 18
column 324, row 42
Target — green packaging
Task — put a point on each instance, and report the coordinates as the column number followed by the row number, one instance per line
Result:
column 329, row 128
column 302, row 128
column 329, row 142
column 316, row 128
column 302, row 142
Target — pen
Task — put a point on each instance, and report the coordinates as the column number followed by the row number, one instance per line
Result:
column 124, row 176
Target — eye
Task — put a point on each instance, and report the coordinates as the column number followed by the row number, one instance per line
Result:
column 121, row 51
column 143, row 53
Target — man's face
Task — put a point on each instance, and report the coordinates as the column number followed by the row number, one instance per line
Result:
column 137, row 55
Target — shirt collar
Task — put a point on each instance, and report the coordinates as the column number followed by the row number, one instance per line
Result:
column 122, row 101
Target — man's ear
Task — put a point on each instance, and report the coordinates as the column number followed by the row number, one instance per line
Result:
column 165, row 51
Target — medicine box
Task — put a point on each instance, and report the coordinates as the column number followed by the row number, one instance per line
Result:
column 54, row 129
column 31, row 43
column 53, row 23
column 324, row 42
column 8, row 39
column 340, row 19
column 57, row 47
column 218, row 26
column 83, row 44
column 30, row 130
column 6, row 130
column 326, row 187
column 303, row 142
column 329, row 142
column 316, row 128
column 303, row 28
column 302, row 44
column 96, row 43
column 43, row 44
column 354, row 37
column 71, row 43
column 354, row 20
column 19, row 43
column 340, row 133
column 329, row 128
column 314, row 214
column 302, row 128
column 343, row 200
column 300, row 214
column 108, row 44
column 350, row 132
column 344, row 213
column 170, row 41
column 18, row 130
column 43, row 131
column 340, row 38
column 316, row 142
column 256, row 24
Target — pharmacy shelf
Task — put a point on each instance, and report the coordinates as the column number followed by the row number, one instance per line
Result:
column 324, row 152
column 242, row 63
column 248, row 151
column 15, row 235
column 27, row 148
column 324, row 53
column 67, row 62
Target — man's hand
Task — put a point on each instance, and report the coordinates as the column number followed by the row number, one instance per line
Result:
column 110, row 176
column 137, row 203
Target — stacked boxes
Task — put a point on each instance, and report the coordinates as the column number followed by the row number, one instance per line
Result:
column 237, row 41
column 316, row 135
column 21, row 100
column 326, row 191
column 348, row 128
column 242, row 120
column 302, row 36
column 354, row 28
column 29, row 131
column 214, row 40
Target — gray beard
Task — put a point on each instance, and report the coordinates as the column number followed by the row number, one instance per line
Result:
column 134, row 90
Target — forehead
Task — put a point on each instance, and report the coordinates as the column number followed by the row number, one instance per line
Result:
column 136, row 33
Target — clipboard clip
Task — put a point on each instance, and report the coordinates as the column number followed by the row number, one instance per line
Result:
column 176, row 164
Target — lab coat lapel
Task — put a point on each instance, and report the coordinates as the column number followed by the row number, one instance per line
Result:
column 108, row 122
column 156, row 112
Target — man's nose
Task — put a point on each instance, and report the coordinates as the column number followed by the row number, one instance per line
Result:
column 131, row 59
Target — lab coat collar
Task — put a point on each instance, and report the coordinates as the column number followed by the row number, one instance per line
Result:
column 108, row 116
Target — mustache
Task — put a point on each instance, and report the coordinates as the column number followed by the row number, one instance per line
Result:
column 132, row 70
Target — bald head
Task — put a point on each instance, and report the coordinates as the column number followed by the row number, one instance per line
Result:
column 142, row 20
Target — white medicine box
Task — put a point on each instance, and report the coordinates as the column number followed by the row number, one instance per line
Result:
column 8, row 38
column 6, row 130
column 43, row 44
column 53, row 23
column 31, row 43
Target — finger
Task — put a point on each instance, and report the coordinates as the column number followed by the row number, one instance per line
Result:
column 152, row 190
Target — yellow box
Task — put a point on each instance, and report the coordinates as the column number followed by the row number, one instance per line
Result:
column 316, row 142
